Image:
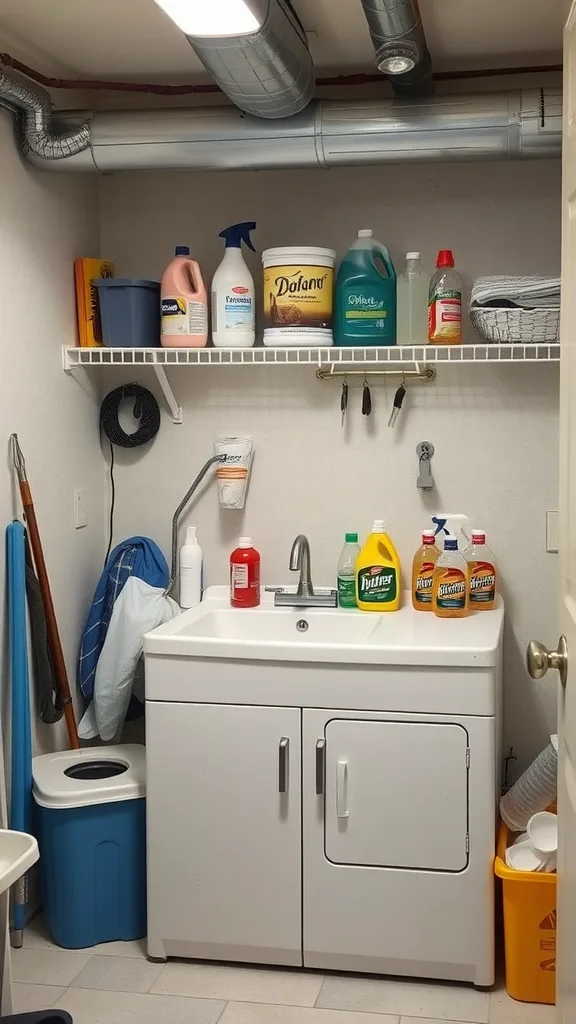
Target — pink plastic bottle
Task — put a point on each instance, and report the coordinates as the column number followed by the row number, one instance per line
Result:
column 184, row 303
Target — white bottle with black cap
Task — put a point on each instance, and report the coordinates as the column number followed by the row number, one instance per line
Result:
column 191, row 570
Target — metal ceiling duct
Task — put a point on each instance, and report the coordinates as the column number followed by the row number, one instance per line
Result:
column 38, row 136
column 269, row 73
column 400, row 45
column 520, row 125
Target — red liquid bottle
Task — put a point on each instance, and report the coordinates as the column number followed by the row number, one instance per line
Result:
column 245, row 575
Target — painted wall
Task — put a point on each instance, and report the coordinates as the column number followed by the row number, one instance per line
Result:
column 46, row 222
column 495, row 429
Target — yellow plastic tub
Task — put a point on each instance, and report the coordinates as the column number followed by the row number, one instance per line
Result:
column 529, row 900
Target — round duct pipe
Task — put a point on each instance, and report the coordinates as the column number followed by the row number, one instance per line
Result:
column 494, row 126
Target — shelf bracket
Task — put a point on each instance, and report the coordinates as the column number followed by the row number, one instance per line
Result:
column 175, row 409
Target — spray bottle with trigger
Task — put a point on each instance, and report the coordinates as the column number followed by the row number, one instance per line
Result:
column 233, row 302
column 454, row 524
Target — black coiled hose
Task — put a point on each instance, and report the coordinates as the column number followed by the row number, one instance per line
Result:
column 146, row 410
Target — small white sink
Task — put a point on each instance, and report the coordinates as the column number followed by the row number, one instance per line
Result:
column 337, row 635
column 18, row 852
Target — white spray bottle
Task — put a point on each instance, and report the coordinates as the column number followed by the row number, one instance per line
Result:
column 455, row 524
column 233, row 300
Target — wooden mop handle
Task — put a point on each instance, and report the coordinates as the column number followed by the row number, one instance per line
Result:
column 54, row 643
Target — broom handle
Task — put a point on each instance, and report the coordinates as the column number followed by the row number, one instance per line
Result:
column 51, row 624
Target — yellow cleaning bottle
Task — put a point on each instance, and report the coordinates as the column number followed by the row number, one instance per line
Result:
column 378, row 575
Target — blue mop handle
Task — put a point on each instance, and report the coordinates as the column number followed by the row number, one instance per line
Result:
column 21, row 781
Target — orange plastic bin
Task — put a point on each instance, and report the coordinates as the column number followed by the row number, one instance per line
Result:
column 529, row 900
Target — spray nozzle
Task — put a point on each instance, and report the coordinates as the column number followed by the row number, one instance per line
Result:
column 440, row 525
column 238, row 233
column 452, row 524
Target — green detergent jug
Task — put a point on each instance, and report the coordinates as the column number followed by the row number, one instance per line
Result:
column 365, row 302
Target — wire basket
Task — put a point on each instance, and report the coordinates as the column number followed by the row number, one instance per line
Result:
column 528, row 326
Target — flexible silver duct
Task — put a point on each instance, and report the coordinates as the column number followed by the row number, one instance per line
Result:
column 492, row 126
column 268, row 73
column 38, row 136
column 400, row 45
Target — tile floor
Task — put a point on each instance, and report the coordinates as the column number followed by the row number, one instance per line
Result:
column 115, row 984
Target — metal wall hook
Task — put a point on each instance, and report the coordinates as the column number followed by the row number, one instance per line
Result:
column 425, row 450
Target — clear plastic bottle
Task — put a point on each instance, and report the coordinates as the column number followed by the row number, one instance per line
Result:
column 423, row 572
column 450, row 583
column 413, row 293
column 482, row 573
column 347, row 571
column 445, row 302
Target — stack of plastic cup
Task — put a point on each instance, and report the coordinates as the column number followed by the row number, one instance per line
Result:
column 534, row 791
column 536, row 849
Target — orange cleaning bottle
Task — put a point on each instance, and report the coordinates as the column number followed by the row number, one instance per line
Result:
column 482, row 574
column 450, row 582
column 423, row 572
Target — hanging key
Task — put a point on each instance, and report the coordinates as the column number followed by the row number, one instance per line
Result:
column 397, row 405
column 344, row 400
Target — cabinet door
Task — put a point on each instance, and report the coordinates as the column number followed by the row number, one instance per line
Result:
column 224, row 832
column 398, row 843
column 396, row 794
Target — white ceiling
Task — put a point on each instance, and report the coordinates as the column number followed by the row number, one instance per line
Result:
column 124, row 38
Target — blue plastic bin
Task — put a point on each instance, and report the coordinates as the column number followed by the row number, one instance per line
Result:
column 129, row 311
column 91, row 826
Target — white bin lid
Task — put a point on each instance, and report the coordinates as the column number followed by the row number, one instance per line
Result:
column 76, row 778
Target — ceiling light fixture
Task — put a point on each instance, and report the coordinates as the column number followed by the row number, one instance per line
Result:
column 396, row 65
column 213, row 18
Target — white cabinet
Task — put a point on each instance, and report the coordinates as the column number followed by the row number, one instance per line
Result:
column 224, row 832
column 377, row 855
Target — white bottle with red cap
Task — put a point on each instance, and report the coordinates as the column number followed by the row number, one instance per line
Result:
column 445, row 302
column 482, row 573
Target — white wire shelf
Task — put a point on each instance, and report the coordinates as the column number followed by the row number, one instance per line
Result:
column 401, row 355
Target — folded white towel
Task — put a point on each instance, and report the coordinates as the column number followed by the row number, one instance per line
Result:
column 526, row 292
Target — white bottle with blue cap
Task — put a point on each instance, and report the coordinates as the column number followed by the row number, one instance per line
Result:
column 233, row 300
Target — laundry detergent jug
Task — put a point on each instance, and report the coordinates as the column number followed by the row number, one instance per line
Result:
column 365, row 300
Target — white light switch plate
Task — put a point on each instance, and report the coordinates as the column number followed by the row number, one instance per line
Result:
column 80, row 510
column 552, row 531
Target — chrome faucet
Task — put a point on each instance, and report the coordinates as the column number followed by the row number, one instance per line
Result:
column 304, row 596
column 300, row 561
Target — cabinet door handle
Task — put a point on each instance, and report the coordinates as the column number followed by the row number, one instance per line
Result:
column 320, row 766
column 342, row 790
column 283, row 765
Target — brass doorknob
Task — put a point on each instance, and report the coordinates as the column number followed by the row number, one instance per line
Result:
column 539, row 659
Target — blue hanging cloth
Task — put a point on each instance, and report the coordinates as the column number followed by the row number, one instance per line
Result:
column 137, row 556
column 21, row 780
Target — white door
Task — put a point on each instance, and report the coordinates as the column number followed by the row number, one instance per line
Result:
column 224, row 832
column 396, row 794
column 540, row 660
column 377, row 792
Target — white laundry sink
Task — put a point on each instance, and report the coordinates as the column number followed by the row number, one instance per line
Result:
column 215, row 630
column 18, row 852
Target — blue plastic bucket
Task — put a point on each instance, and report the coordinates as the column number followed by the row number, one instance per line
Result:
column 130, row 312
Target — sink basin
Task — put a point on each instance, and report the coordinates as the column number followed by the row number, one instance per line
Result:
column 18, row 852
column 300, row 626
column 337, row 635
